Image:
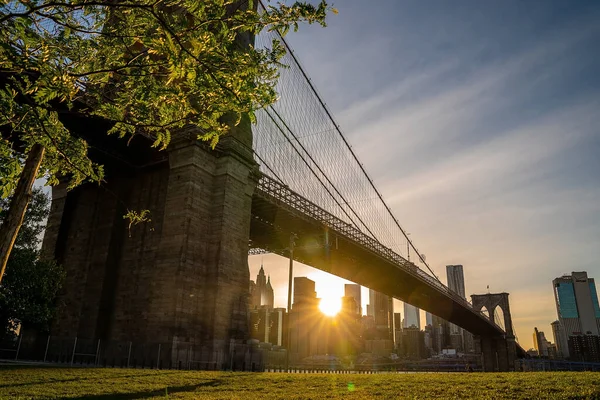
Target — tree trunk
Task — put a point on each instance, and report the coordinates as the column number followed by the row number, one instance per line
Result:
column 18, row 204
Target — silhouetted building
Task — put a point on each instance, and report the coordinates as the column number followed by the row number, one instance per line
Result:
column 309, row 334
column 560, row 339
column 349, row 306
column 382, row 308
column 304, row 292
column 261, row 292
column 540, row 343
column 353, row 290
column 413, row 343
column 456, row 283
column 397, row 328
column 412, row 317
column 456, row 279
column 577, row 307
column 268, row 325
column 440, row 334
column 428, row 318
column 584, row 348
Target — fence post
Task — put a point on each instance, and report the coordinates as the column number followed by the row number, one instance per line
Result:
column 19, row 346
column 97, row 354
column 73, row 355
column 47, row 344
column 158, row 357
column 129, row 355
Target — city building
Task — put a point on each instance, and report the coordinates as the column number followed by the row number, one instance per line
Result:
column 353, row 290
column 440, row 334
column 456, row 279
column 456, row 283
column 309, row 332
column 412, row 317
column 584, row 348
column 397, row 328
column 381, row 307
column 413, row 344
column 540, row 343
column 428, row 318
column 577, row 308
column 560, row 339
column 268, row 325
column 261, row 292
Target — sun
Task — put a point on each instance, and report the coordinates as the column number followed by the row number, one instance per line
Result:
column 330, row 306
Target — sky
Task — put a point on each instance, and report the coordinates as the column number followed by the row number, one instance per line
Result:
column 480, row 124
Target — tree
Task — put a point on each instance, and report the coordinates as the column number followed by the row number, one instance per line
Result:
column 30, row 286
column 151, row 67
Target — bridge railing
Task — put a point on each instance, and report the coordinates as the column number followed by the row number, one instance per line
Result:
column 283, row 194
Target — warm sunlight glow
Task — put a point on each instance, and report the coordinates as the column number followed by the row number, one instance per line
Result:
column 330, row 305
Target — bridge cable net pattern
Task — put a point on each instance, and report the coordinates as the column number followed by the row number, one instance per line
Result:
column 301, row 149
column 297, row 142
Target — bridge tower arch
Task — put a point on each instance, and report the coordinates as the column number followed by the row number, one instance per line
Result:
column 490, row 301
column 499, row 351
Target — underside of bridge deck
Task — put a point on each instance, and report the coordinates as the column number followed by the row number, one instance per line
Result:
column 273, row 223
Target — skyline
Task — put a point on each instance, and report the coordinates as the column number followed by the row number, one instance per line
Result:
column 480, row 132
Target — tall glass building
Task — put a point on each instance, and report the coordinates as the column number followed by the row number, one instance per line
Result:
column 577, row 307
column 412, row 316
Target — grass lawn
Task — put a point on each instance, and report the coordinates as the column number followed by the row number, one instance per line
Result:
column 82, row 383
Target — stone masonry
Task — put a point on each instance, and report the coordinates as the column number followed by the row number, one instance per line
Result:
column 183, row 276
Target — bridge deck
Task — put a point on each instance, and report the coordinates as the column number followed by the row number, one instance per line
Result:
column 277, row 212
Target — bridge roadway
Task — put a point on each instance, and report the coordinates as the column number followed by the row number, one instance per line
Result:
column 278, row 212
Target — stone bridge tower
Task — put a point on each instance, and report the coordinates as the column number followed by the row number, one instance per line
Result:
column 500, row 352
column 180, row 279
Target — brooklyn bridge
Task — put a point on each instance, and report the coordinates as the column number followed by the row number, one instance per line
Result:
column 289, row 184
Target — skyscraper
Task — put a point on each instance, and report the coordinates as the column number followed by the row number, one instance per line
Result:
column 456, row 279
column 412, row 316
column 540, row 343
column 353, row 290
column 577, row 306
column 304, row 292
column 261, row 292
column 562, row 345
column 382, row 309
column 456, row 283
column 428, row 318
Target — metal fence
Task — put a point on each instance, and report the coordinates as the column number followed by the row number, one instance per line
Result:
column 77, row 351
column 555, row 365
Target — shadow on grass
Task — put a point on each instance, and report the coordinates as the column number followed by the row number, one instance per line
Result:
column 164, row 392
column 79, row 379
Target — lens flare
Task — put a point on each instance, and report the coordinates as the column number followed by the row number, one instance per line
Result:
column 330, row 306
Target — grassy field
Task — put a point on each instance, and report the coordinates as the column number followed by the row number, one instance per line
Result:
column 60, row 383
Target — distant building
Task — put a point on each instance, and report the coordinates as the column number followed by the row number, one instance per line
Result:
column 268, row 325
column 304, row 292
column 440, row 334
column 560, row 339
column 428, row 318
column 353, row 290
column 349, row 306
column 413, row 343
column 307, row 337
column 397, row 328
column 456, row 279
column 412, row 317
column 381, row 307
column 540, row 343
column 577, row 308
column 261, row 292
column 456, row 283
column 584, row 348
